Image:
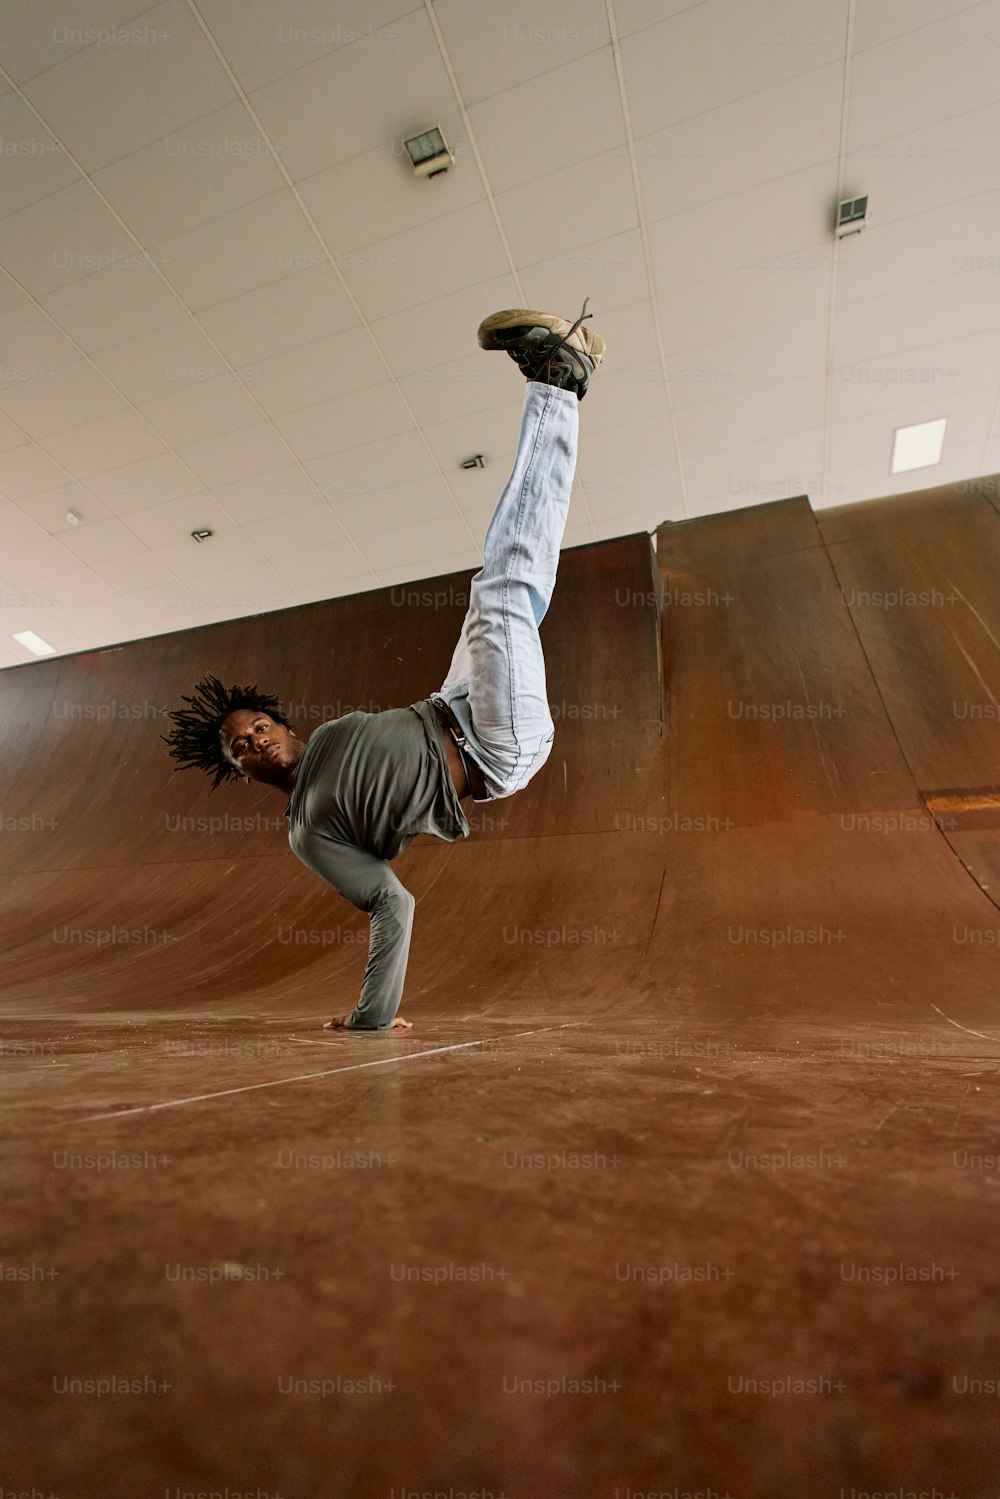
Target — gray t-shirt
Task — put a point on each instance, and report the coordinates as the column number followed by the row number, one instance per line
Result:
column 365, row 786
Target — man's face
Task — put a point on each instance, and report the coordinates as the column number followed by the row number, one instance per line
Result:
column 260, row 748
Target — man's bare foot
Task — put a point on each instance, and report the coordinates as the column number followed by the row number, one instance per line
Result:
column 340, row 1024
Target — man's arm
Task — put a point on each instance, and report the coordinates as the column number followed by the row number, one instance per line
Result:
column 368, row 883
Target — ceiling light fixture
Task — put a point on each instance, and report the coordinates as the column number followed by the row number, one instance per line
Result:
column 429, row 152
column 852, row 216
column 918, row 446
column 33, row 642
column 202, row 535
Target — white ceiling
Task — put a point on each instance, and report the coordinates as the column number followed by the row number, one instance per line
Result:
column 226, row 301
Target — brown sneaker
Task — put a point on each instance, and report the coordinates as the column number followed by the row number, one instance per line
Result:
column 545, row 347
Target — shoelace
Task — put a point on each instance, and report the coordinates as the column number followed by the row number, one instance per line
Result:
column 564, row 342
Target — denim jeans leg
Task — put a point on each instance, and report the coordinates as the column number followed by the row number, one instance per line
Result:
column 496, row 682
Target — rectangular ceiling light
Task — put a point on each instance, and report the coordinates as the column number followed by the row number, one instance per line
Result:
column 917, row 447
column 34, row 643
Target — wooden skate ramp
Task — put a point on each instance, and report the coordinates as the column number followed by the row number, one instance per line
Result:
column 683, row 1180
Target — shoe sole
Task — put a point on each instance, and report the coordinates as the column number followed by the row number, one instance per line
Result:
column 522, row 317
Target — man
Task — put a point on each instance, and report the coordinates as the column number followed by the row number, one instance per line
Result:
column 367, row 783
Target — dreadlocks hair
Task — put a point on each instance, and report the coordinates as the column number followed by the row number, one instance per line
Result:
column 194, row 739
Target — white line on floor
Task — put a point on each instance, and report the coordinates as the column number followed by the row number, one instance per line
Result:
column 302, row 1077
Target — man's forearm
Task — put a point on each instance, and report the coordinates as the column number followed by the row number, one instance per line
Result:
column 388, row 951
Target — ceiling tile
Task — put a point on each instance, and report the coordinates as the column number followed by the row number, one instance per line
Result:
column 282, row 534
column 736, row 364
column 748, row 228
column 237, row 455
column 242, row 249
column 463, row 249
column 141, row 75
column 513, row 42
column 72, row 586
column 770, row 411
column 413, row 572
column 254, row 588
column 876, row 347
column 636, row 15
column 132, row 570
column 262, row 43
column 378, row 194
column 322, row 567
column 199, row 563
column 654, row 492
column 312, row 589
column 923, row 247
column 171, row 524
column 611, row 272
column 535, row 218
column 462, row 385
column 363, row 417
column 746, row 144
column 170, row 606
column 635, row 444
column 162, row 361
column 123, row 437
column 105, row 621
column 37, row 560
column 38, row 34
column 27, row 469
column 404, row 505
column 745, row 47
column 759, row 294
column 63, row 236
column 196, row 411
column 372, row 467
column 942, row 164
column 320, row 370
column 384, row 91
column 118, row 302
column 32, row 346
column 149, row 481
column 423, row 542
column 100, row 541
column 528, row 132
column 866, row 439
column 71, row 394
column 878, row 21
column 50, row 506
column 198, row 171
column 10, row 436
column 777, row 468
column 492, row 432
column 32, row 165
column 303, row 305
column 263, row 496
column 950, row 67
column 933, row 373
column 445, row 327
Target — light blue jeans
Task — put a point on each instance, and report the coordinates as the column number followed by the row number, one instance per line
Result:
column 496, row 682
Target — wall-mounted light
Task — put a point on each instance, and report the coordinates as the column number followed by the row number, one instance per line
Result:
column 429, row 152
column 852, row 216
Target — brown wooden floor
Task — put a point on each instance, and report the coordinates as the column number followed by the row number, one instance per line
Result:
column 686, row 1179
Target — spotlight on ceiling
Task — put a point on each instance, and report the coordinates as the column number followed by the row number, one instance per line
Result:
column 429, row 152
column 201, row 535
